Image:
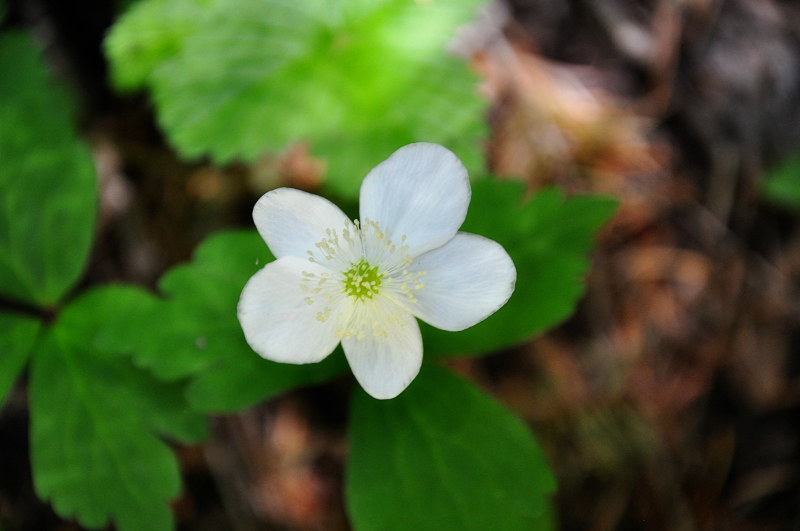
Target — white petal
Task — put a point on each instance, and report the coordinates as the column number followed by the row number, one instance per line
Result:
column 466, row 281
column 421, row 191
column 292, row 221
column 277, row 320
column 384, row 365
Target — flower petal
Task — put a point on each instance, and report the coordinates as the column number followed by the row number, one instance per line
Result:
column 421, row 191
column 465, row 281
column 277, row 320
column 292, row 221
column 384, row 365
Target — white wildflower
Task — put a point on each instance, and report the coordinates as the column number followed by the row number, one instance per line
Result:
column 363, row 283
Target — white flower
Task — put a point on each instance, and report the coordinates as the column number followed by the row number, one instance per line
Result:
column 363, row 283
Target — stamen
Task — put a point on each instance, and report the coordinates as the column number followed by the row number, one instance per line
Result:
column 370, row 270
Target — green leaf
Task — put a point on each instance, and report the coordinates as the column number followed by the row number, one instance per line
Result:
column 442, row 455
column 48, row 204
column 91, row 455
column 548, row 238
column 237, row 385
column 108, row 319
column 194, row 331
column 782, row 186
column 94, row 418
column 17, row 334
column 355, row 79
column 146, row 34
column 194, row 327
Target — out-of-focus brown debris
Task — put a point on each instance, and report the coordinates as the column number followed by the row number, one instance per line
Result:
column 295, row 167
column 670, row 400
column 276, row 467
column 554, row 125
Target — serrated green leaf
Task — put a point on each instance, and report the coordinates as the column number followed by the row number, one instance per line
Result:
column 94, row 416
column 194, row 327
column 48, row 203
column 17, row 334
column 548, row 238
column 442, row 456
column 356, row 79
column 92, row 456
column 782, row 186
column 110, row 319
column 200, row 309
column 194, row 331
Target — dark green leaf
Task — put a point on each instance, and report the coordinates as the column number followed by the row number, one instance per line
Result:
column 194, row 327
column 108, row 316
column 442, row 456
column 92, row 453
column 17, row 334
column 108, row 319
column 48, row 181
column 356, row 79
column 549, row 238
column 194, row 331
column 94, row 420
column 782, row 186
column 237, row 385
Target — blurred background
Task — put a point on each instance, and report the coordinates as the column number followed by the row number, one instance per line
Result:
column 668, row 401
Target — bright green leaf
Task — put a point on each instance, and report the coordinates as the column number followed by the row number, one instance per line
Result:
column 148, row 33
column 549, row 238
column 194, row 331
column 782, row 186
column 48, row 203
column 17, row 334
column 355, row 79
column 443, row 456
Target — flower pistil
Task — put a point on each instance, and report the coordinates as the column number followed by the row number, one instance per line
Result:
column 369, row 271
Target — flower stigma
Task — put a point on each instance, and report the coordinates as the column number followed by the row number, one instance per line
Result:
column 377, row 293
column 361, row 281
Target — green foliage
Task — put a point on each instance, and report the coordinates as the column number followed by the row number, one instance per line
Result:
column 782, row 186
column 148, row 33
column 356, row 79
column 17, row 334
column 443, row 456
column 94, row 419
column 48, row 181
column 194, row 331
column 548, row 237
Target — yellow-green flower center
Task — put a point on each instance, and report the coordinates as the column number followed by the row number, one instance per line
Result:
column 362, row 281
